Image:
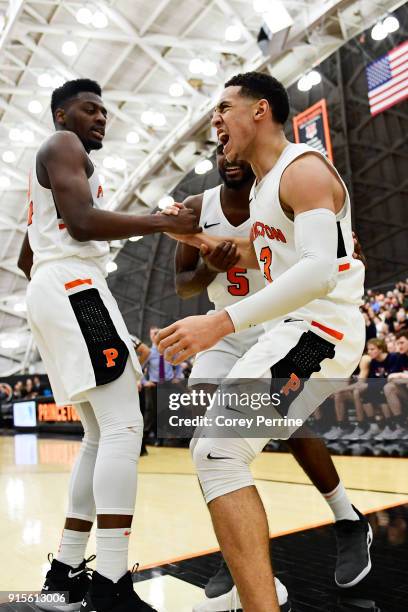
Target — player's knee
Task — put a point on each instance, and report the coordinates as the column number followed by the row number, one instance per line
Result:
column 123, row 439
column 221, row 468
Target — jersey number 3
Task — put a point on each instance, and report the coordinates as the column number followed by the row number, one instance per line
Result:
column 266, row 257
column 239, row 282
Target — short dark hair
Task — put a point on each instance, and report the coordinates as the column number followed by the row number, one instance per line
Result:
column 403, row 333
column 70, row 89
column 379, row 343
column 260, row 85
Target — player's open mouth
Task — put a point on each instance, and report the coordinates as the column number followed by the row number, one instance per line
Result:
column 233, row 171
column 98, row 134
column 223, row 138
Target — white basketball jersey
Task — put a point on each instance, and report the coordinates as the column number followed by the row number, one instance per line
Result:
column 227, row 287
column 47, row 233
column 272, row 233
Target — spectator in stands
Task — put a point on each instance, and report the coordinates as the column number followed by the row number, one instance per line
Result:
column 29, row 391
column 401, row 322
column 396, row 389
column 18, row 390
column 5, row 392
column 390, row 343
column 158, row 371
column 367, row 395
column 371, row 330
column 374, row 370
column 38, row 387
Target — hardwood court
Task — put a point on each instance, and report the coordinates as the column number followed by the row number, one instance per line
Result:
column 171, row 523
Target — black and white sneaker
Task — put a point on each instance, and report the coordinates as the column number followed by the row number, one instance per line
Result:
column 107, row 596
column 221, row 582
column 65, row 586
column 230, row 602
column 354, row 539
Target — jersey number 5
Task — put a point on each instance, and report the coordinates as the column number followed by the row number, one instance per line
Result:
column 239, row 282
column 266, row 257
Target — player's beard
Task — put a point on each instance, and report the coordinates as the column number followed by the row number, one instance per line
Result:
column 237, row 183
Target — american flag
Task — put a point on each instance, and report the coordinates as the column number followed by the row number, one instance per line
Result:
column 387, row 79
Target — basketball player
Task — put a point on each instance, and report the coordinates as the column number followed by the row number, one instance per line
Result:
column 301, row 238
column 86, row 347
column 220, row 211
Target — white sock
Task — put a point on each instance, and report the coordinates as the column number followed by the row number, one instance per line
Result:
column 340, row 504
column 112, row 547
column 72, row 547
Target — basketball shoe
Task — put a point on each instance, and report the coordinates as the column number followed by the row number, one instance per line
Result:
column 107, row 596
column 354, row 539
column 222, row 595
column 65, row 586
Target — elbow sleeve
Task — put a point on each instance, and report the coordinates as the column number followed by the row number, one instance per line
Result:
column 313, row 276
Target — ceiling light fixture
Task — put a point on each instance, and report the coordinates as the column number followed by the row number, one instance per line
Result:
column 176, row 90
column 99, row 20
column 35, row 107
column 379, row 32
column 391, row 24
column 27, row 136
column 196, row 65
column 132, row 137
column 108, row 162
column 9, row 157
column 203, row 166
column 45, row 80
column 69, row 48
column 147, row 117
column 15, row 134
column 84, row 16
column 314, row 77
column 159, row 120
column 304, row 83
column 209, row 68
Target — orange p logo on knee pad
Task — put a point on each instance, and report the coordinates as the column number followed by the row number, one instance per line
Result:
column 110, row 354
column 293, row 384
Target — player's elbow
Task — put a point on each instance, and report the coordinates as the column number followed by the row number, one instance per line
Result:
column 325, row 275
column 79, row 230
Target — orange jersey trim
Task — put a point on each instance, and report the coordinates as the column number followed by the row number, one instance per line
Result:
column 343, row 267
column 77, row 282
column 329, row 331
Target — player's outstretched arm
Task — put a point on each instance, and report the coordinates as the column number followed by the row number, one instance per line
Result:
column 65, row 163
column 25, row 259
